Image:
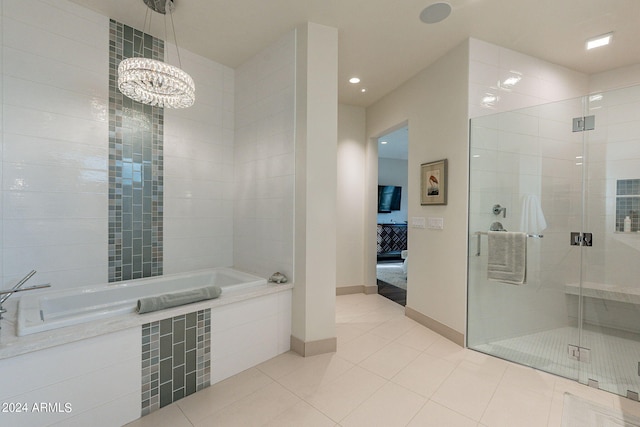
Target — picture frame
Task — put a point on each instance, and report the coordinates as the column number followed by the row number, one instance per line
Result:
column 433, row 183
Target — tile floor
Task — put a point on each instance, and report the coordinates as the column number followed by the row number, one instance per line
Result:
column 613, row 358
column 388, row 371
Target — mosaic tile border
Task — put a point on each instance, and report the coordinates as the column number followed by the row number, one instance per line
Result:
column 176, row 358
column 135, row 166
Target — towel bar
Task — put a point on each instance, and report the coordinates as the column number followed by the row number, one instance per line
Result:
column 480, row 233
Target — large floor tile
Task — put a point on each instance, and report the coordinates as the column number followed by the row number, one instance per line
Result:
column 531, row 379
column 214, row 398
column 169, row 416
column 346, row 332
column 395, row 327
column 390, row 360
column 467, row 391
column 419, row 338
column 338, row 398
column 316, row 372
column 424, row 374
column 357, row 350
column 445, row 349
column 255, row 409
column 282, row 365
column 511, row 406
column 392, row 405
column 435, row 415
column 301, row 415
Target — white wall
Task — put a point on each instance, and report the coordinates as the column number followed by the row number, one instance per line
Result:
column 394, row 172
column 55, row 151
column 316, row 136
column 459, row 81
column 435, row 103
column 615, row 79
column 55, row 177
column 264, row 161
column 350, row 198
column 198, row 170
column 538, row 81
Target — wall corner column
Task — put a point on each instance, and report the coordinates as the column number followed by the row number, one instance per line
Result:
column 316, row 110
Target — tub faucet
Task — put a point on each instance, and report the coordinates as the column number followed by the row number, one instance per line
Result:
column 4, row 295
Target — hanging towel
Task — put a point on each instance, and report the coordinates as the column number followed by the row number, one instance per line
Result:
column 532, row 218
column 507, row 257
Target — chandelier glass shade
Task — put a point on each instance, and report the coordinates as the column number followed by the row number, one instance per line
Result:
column 155, row 83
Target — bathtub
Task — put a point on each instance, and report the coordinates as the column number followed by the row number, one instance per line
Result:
column 44, row 311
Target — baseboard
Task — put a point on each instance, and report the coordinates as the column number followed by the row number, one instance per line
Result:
column 434, row 325
column 370, row 290
column 356, row 289
column 348, row 290
column 313, row 348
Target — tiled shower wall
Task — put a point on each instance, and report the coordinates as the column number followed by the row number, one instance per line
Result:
column 524, row 152
column 534, row 151
column 56, row 149
column 264, row 159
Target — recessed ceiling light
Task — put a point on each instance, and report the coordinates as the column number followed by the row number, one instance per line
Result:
column 383, row 142
column 354, row 80
column 602, row 40
column 363, row 90
column 435, row 13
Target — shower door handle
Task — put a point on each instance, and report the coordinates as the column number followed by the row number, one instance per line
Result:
column 581, row 239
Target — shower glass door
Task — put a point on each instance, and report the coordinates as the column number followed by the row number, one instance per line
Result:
column 557, row 183
column 610, row 285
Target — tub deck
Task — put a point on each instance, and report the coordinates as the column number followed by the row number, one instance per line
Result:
column 101, row 318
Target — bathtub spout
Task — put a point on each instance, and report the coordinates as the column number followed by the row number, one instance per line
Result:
column 18, row 285
column 4, row 295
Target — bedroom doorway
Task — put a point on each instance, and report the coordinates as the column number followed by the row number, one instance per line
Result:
column 391, row 239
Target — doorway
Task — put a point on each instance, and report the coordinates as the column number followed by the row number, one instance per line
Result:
column 392, row 208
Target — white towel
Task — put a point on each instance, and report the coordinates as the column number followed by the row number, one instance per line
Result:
column 532, row 218
column 507, row 260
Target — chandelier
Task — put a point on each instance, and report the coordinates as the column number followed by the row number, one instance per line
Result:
column 155, row 82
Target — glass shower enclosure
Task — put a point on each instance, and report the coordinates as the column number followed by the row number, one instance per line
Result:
column 563, row 179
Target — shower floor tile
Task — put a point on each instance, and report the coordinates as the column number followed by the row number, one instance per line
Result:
column 614, row 356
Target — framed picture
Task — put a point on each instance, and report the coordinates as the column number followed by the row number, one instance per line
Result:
column 433, row 183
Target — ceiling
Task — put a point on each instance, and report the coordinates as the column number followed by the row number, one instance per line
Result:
column 396, row 144
column 384, row 42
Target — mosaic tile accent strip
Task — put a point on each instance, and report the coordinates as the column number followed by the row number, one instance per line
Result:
column 176, row 358
column 628, row 203
column 135, row 166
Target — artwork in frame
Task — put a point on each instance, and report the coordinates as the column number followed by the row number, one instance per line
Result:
column 433, row 183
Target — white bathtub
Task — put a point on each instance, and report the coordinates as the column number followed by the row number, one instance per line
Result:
column 44, row 311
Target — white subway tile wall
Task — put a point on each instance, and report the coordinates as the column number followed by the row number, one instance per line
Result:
column 525, row 150
column 54, row 193
column 264, row 161
column 54, row 187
